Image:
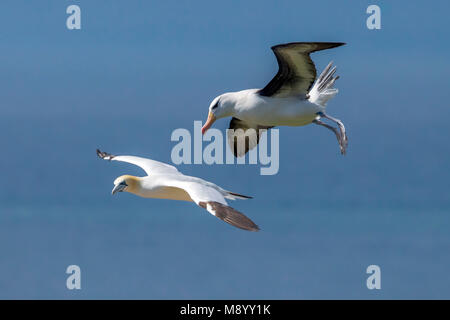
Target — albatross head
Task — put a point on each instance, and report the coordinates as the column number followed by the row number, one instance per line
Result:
column 221, row 107
column 125, row 183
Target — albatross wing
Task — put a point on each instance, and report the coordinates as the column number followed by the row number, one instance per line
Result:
column 243, row 136
column 296, row 70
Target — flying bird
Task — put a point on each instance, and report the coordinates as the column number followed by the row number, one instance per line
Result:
column 291, row 98
column 164, row 181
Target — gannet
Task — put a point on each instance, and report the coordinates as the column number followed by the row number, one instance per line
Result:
column 164, row 181
column 289, row 99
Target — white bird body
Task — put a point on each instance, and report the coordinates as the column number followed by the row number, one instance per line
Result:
column 155, row 187
column 164, row 181
column 273, row 111
column 168, row 186
column 294, row 97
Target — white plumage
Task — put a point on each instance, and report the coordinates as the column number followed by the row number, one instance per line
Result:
column 164, row 181
column 289, row 99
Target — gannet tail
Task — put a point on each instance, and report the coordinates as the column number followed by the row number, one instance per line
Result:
column 323, row 90
column 233, row 196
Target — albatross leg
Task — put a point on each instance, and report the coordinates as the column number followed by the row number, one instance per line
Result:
column 336, row 132
column 343, row 140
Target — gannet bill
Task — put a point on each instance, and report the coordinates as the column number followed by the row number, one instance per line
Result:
column 289, row 99
column 164, row 181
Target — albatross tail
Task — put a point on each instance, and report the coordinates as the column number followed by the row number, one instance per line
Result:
column 323, row 90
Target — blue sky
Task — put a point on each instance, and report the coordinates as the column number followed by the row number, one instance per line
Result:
column 138, row 70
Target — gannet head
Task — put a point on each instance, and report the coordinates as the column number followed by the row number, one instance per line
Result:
column 221, row 107
column 126, row 183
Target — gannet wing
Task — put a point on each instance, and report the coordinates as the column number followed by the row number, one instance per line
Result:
column 148, row 165
column 214, row 202
column 296, row 70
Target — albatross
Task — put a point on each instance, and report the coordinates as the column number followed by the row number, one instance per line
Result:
column 291, row 98
column 164, row 181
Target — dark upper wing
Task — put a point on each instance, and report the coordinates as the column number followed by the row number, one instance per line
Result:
column 243, row 136
column 296, row 70
column 229, row 215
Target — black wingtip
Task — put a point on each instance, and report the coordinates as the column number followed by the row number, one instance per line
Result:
column 329, row 45
column 322, row 45
column 101, row 154
column 230, row 215
column 104, row 155
column 254, row 228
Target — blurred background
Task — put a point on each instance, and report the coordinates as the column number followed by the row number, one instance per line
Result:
column 138, row 70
